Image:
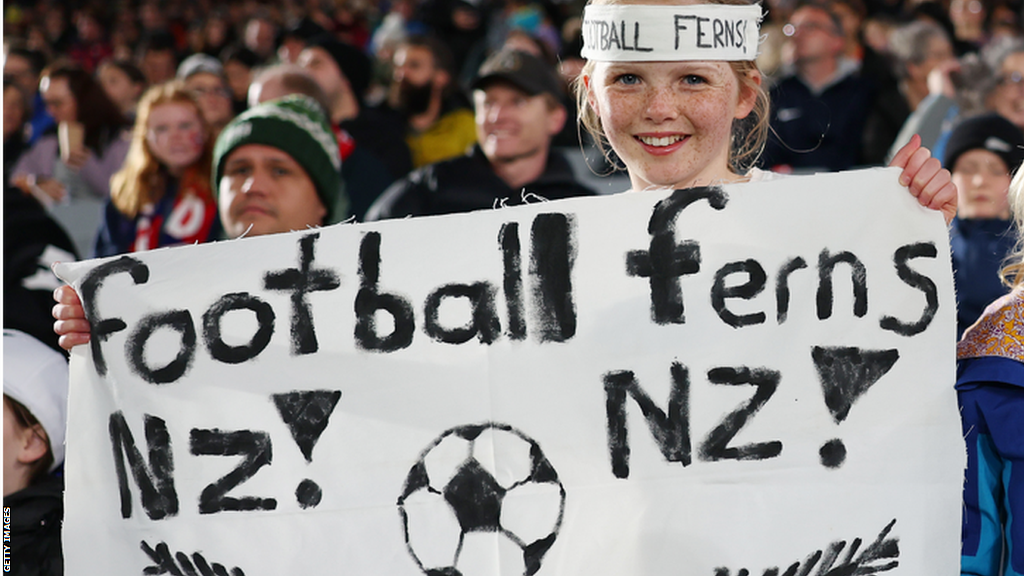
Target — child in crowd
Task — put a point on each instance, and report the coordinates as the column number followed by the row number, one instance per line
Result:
column 162, row 196
column 990, row 386
column 980, row 153
column 35, row 415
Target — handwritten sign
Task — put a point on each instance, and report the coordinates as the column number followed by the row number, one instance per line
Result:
column 752, row 379
column 629, row 33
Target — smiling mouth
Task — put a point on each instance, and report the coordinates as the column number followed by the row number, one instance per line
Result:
column 661, row 141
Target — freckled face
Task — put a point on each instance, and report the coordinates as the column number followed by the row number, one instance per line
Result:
column 670, row 122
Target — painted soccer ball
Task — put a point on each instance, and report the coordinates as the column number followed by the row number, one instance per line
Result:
column 482, row 499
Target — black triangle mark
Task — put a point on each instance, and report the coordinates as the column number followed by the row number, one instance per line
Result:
column 846, row 373
column 306, row 414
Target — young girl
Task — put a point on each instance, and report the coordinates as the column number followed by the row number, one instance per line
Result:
column 162, row 197
column 990, row 386
column 680, row 116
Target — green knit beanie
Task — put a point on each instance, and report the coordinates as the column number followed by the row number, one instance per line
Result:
column 296, row 125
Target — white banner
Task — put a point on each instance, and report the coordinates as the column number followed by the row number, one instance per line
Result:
column 755, row 379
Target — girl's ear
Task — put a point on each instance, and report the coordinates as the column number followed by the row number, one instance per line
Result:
column 748, row 94
column 590, row 95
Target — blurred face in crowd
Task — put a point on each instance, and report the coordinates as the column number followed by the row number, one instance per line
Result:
column 967, row 14
column 60, row 102
column 814, row 35
column 239, row 77
column 119, row 87
column 15, row 109
column 511, row 125
column 1008, row 97
column 324, row 69
column 415, row 78
column 213, row 96
column 158, row 65
column 982, row 181
column 266, row 189
column 939, row 50
column 174, row 134
column 20, row 70
column 259, row 37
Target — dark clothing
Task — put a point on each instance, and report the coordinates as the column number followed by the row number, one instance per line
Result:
column 36, row 514
column 817, row 131
column 382, row 132
column 32, row 242
column 979, row 248
column 469, row 183
column 884, row 122
column 14, row 147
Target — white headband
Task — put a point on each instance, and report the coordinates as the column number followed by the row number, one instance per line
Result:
column 644, row 33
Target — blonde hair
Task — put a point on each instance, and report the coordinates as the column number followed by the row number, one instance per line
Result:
column 748, row 134
column 140, row 181
column 1013, row 272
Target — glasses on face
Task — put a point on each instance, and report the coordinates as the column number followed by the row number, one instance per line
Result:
column 1012, row 79
column 792, row 29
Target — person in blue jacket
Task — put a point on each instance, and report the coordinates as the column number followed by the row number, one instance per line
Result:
column 990, row 388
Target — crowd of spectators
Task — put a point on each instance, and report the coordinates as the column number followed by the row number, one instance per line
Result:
column 117, row 115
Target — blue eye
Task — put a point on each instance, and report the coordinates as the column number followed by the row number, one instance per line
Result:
column 694, row 80
column 628, row 79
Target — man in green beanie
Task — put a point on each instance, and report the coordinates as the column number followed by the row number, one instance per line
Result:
column 276, row 168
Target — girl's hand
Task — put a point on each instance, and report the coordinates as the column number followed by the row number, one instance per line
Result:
column 927, row 180
column 78, row 158
column 70, row 325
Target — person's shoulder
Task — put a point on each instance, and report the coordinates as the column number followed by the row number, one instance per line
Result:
column 759, row 175
column 997, row 332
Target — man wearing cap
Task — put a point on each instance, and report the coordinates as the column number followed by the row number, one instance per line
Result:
column 276, row 168
column 204, row 77
column 981, row 153
column 518, row 111
column 35, row 416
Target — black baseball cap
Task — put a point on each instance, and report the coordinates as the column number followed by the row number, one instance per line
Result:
column 523, row 70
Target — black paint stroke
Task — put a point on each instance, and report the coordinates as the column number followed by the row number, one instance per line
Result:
column 475, row 497
column 369, row 300
column 858, row 275
column 782, row 287
column 916, row 280
column 155, row 481
column 135, row 347
column 223, row 352
column 306, row 413
column 483, row 324
column 254, row 446
column 180, row 564
column 671, row 430
column 754, row 285
column 512, row 280
column 716, row 445
column 882, row 555
column 102, row 328
column 552, row 256
column 846, row 373
column 301, row 281
column 666, row 260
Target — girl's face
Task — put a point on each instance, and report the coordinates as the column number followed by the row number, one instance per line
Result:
column 670, row 122
column 982, row 182
column 119, row 87
column 59, row 100
column 175, row 135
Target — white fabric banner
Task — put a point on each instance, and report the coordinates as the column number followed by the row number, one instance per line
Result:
column 753, row 379
column 646, row 33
